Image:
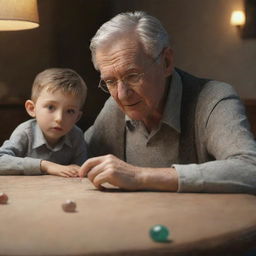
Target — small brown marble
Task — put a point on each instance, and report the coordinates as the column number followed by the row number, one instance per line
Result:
column 69, row 206
column 3, row 198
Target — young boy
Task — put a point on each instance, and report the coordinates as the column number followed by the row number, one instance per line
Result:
column 51, row 142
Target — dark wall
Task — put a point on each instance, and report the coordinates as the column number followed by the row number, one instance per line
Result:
column 62, row 40
column 75, row 23
column 203, row 45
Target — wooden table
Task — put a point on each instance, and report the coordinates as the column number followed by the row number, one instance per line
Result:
column 117, row 222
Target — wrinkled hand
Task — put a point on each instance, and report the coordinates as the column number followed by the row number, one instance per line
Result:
column 110, row 169
column 59, row 170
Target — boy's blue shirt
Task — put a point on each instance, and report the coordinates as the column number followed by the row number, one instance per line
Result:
column 27, row 147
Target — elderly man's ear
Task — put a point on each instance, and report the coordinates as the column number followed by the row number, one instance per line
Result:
column 168, row 61
column 30, row 107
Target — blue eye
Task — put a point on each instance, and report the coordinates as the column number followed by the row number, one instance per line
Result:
column 50, row 107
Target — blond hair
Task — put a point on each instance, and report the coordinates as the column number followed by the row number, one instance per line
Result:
column 64, row 79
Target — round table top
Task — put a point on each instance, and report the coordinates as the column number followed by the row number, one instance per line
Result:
column 116, row 222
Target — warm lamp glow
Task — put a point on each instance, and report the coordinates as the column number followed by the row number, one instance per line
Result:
column 18, row 15
column 237, row 18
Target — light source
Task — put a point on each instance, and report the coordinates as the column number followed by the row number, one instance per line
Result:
column 18, row 15
column 237, row 18
column 245, row 20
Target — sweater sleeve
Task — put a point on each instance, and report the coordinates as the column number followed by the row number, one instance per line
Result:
column 225, row 145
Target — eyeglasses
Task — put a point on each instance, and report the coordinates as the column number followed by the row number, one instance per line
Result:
column 131, row 80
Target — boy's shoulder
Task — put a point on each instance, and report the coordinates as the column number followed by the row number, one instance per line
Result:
column 26, row 127
column 24, row 131
column 29, row 124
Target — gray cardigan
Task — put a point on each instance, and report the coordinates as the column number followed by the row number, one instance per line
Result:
column 217, row 150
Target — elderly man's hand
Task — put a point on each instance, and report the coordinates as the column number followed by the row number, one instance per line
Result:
column 110, row 169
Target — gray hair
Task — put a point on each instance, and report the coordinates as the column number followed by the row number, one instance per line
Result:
column 64, row 79
column 149, row 30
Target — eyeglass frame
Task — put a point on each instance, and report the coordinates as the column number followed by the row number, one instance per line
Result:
column 105, row 88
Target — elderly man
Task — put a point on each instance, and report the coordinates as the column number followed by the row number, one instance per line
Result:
column 163, row 129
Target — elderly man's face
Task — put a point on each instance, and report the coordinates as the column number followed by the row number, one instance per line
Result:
column 125, row 56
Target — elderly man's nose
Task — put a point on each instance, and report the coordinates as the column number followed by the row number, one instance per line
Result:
column 122, row 90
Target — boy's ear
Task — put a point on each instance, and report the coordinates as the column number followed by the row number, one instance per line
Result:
column 30, row 107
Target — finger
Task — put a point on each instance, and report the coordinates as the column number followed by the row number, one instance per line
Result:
column 68, row 173
column 96, row 170
column 71, row 174
column 102, row 178
column 74, row 172
column 75, row 168
column 63, row 175
column 89, row 164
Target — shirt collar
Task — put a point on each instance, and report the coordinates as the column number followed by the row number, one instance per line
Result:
column 39, row 140
column 171, row 114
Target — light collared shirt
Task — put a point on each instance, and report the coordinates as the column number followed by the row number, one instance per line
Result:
column 27, row 147
column 160, row 147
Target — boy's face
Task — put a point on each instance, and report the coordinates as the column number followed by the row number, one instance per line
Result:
column 56, row 113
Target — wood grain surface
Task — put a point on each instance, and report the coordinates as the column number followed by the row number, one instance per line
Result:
column 117, row 222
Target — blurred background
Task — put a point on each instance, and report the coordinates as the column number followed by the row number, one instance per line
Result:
column 204, row 43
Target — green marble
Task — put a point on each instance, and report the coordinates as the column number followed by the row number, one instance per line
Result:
column 159, row 233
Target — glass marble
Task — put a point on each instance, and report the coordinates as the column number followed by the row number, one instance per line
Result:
column 69, row 206
column 159, row 233
column 3, row 198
